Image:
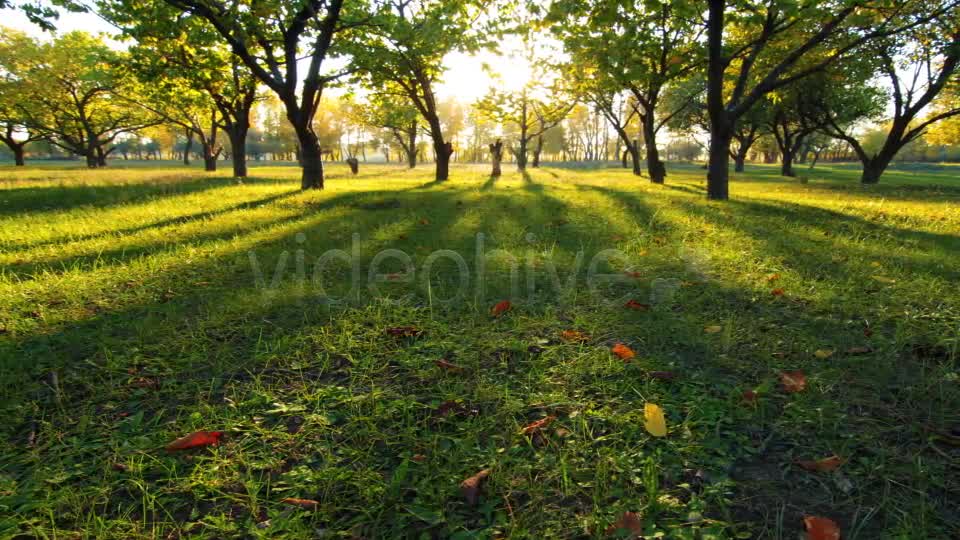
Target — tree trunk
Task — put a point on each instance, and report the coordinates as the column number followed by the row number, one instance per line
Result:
column 209, row 158
column 443, row 151
column 496, row 155
column 536, row 152
column 522, row 154
column 238, row 142
column 311, row 159
column 874, row 167
column 721, row 132
column 186, row 148
column 17, row 154
column 354, row 165
column 739, row 160
column 786, row 163
column 101, row 157
column 655, row 167
column 412, row 150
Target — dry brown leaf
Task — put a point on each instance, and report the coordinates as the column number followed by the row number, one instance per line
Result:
column 470, row 488
column 629, row 522
column 307, row 504
column 623, row 352
column 537, row 425
column 821, row 465
column 574, row 335
column 793, row 380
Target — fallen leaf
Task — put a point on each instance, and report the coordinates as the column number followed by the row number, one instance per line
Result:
column 855, row 351
column 120, row 467
column 195, row 440
column 821, row 528
column 867, row 331
column 654, row 421
column 884, row 279
column 623, row 352
column 419, row 458
column 424, row 221
column 501, row 307
column 404, row 331
column 713, row 329
column 793, row 380
column 447, row 407
column 749, row 396
column 535, row 426
column 470, row 488
column 633, row 304
column 662, row 375
column 773, row 277
column 574, row 335
column 822, row 465
column 823, row 354
column 393, row 277
column 778, row 292
column 308, row 504
column 633, row 274
column 629, row 522
column 535, row 349
column 448, row 366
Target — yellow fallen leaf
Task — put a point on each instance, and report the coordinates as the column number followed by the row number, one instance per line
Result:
column 884, row 279
column 713, row 329
column 654, row 421
column 823, row 354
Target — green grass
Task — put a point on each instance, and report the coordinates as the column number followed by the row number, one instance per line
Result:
column 130, row 316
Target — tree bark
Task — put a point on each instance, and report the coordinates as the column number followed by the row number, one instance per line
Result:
column 721, row 133
column 496, row 155
column 354, row 165
column 786, row 163
column 412, row 141
column 17, row 154
column 443, row 151
column 238, row 142
column 655, row 168
column 209, row 158
column 310, row 159
column 536, row 152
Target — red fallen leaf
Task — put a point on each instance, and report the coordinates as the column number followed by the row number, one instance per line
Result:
column 574, row 335
column 195, row 440
column 773, row 277
column 308, row 504
column 500, row 308
column 448, row 366
column 120, row 467
column 628, row 522
column 535, row 426
column 793, row 380
column 424, row 221
column 404, row 331
column 633, row 274
column 822, row 465
column 777, row 292
column 393, row 277
column 623, row 352
column 633, row 304
column 749, row 396
column 419, row 458
column 821, row 528
column 470, row 488
column 662, row 375
column 867, row 331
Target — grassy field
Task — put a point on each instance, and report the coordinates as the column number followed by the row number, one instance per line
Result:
column 140, row 304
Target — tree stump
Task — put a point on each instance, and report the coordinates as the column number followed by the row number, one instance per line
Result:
column 354, row 165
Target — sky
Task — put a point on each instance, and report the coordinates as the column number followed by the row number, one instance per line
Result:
column 465, row 78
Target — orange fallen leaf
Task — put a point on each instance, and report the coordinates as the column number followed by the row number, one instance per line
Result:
column 535, row 426
column 712, row 329
column 633, row 274
column 404, row 331
column 629, row 522
column 778, row 292
column 574, row 335
column 822, row 465
column 196, row 440
column 793, row 380
column 773, row 277
column 623, row 352
column 308, row 504
column 419, row 458
column 633, row 304
column 448, row 366
column 821, row 528
column 470, row 488
column 501, row 307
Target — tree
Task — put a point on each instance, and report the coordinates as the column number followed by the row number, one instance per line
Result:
column 268, row 37
column 642, row 46
column 72, row 93
column 404, row 53
column 530, row 115
column 392, row 112
column 918, row 70
column 16, row 50
column 43, row 15
column 764, row 45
